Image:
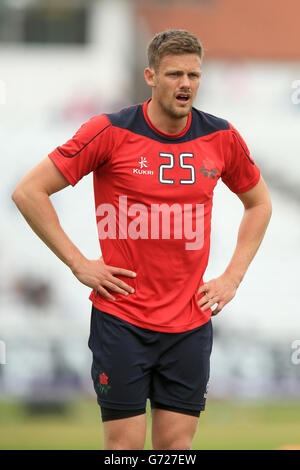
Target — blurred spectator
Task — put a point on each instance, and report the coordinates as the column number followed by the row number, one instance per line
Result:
column 33, row 291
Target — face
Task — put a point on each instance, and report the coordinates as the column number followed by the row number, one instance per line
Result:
column 175, row 83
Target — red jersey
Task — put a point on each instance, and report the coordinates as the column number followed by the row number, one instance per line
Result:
column 153, row 200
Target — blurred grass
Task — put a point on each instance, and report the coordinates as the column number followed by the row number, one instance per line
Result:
column 224, row 425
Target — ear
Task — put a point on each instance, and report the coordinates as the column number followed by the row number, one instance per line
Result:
column 149, row 75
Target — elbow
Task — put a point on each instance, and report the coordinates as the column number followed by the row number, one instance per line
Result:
column 269, row 208
column 266, row 204
column 18, row 196
column 15, row 195
column 267, row 211
column 266, row 207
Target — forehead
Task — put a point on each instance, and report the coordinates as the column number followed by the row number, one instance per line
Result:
column 184, row 62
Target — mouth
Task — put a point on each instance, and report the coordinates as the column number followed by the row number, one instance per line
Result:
column 183, row 98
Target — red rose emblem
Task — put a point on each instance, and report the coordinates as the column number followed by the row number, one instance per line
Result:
column 103, row 379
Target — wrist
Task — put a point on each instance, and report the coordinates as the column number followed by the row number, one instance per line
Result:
column 74, row 261
column 234, row 277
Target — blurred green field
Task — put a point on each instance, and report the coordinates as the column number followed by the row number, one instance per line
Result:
column 224, row 425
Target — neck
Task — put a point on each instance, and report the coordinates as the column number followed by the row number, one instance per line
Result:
column 162, row 121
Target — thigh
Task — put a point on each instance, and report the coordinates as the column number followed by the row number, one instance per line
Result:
column 181, row 375
column 120, row 368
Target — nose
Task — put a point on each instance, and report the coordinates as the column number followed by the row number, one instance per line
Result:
column 185, row 82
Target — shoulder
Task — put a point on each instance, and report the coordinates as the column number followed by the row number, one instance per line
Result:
column 207, row 123
column 126, row 118
column 95, row 126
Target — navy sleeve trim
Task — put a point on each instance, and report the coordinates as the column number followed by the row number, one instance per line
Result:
column 72, row 156
column 247, row 155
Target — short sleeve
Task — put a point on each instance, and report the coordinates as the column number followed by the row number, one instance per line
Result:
column 240, row 172
column 89, row 148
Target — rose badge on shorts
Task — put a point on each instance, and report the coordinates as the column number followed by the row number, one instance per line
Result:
column 103, row 383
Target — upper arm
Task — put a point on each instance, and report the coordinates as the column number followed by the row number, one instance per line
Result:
column 44, row 177
column 89, row 148
column 259, row 194
column 240, row 173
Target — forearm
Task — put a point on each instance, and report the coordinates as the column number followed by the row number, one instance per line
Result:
column 251, row 233
column 38, row 211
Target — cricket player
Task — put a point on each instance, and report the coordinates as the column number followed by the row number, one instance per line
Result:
column 155, row 166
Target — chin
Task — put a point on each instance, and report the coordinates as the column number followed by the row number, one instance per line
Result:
column 181, row 113
column 176, row 112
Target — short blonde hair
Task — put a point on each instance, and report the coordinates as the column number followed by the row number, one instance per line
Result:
column 172, row 41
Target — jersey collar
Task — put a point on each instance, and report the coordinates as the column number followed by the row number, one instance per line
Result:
column 168, row 136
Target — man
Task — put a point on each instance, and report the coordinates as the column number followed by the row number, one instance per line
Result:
column 155, row 167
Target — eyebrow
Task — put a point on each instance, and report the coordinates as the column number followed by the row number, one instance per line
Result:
column 180, row 72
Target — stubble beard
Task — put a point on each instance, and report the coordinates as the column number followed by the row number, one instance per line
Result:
column 174, row 113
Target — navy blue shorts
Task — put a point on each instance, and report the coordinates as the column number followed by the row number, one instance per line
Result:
column 131, row 364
